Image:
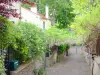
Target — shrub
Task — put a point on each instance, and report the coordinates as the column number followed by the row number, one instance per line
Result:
column 6, row 32
column 40, row 71
column 29, row 42
column 61, row 49
column 6, row 37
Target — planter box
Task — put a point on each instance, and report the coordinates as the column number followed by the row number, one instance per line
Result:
column 60, row 57
column 24, row 69
column 53, row 58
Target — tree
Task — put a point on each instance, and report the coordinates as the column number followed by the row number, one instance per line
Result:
column 5, row 9
column 87, row 21
column 87, row 16
column 61, row 10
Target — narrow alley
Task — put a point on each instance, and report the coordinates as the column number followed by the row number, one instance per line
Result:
column 74, row 64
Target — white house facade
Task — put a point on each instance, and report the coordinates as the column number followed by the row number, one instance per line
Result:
column 31, row 15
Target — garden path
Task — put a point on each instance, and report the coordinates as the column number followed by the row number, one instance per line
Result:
column 74, row 64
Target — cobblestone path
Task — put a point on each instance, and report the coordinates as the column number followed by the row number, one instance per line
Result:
column 74, row 64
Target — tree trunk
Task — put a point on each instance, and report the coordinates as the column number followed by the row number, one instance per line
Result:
column 98, row 46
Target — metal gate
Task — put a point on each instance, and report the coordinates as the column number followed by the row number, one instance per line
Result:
column 6, row 63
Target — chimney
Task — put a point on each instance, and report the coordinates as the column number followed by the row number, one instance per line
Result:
column 47, row 11
column 34, row 8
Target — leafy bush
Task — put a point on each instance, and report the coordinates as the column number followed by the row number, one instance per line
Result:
column 40, row 71
column 36, row 71
column 6, row 37
column 29, row 43
column 25, row 5
column 6, row 32
column 62, row 48
column 2, row 71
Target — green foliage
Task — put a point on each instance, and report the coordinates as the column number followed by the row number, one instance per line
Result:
column 62, row 48
column 25, row 40
column 36, row 71
column 40, row 71
column 33, row 37
column 56, row 36
column 29, row 42
column 64, row 17
column 59, row 9
column 2, row 71
column 6, row 37
column 62, row 11
column 87, row 17
column 6, row 33
column 25, row 5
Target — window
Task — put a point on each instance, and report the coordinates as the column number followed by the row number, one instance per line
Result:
column 43, row 24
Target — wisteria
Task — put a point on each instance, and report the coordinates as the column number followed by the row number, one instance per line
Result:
column 5, row 9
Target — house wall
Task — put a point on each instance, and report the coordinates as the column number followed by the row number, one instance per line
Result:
column 16, row 5
column 30, row 16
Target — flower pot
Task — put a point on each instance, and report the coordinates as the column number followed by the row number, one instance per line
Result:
column 60, row 57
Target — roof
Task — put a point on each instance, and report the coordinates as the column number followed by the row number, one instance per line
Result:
column 38, row 14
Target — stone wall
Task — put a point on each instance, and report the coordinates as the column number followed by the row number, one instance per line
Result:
column 53, row 59
column 96, row 70
column 94, row 64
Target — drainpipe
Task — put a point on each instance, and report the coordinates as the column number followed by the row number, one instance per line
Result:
column 47, row 11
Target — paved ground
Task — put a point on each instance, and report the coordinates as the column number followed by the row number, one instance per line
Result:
column 74, row 64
